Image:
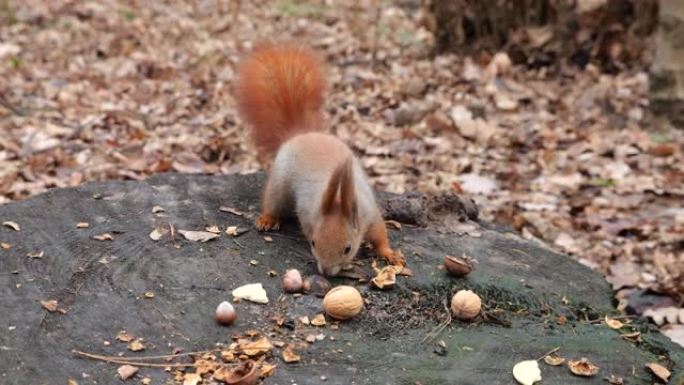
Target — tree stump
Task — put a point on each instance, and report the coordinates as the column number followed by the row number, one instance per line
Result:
column 535, row 299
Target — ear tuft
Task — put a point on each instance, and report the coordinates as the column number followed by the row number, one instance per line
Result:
column 348, row 191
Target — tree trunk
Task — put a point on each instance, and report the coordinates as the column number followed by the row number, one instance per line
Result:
column 667, row 71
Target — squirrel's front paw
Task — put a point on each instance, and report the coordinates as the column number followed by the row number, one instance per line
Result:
column 267, row 222
column 393, row 257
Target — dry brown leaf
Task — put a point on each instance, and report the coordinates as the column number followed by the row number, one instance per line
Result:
column 5, row 246
column 198, row 236
column 583, row 368
column 192, row 379
column 634, row 337
column 146, row 381
column 266, row 370
column 659, row 371
column 104, row 237
column 49, row 305
column 136, row 345
column 213, row 229
column 289, row 354
column 12, row 225
column 82, row 225
column 613, row 323
column 71, row 382
column 304, row 320
column 554, row 360
column 318, row 320
column 204, row 366
column 126, row 371
column 254, row 348
column 124, row 336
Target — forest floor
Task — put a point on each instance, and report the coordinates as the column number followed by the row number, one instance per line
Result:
column 96, row 90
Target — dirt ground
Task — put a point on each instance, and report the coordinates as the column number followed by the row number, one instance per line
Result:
column 98, row 90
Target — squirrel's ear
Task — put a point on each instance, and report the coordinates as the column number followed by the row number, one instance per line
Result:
column 328, row 202
column 347, row 191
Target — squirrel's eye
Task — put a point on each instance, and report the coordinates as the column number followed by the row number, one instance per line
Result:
column 313, row 244
column 347, row 249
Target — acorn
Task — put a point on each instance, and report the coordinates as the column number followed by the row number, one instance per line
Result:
column 292, row 281
column 225, row 313
column 316, row 285
column 458, row 266
column 343, row 302
column 465, row 305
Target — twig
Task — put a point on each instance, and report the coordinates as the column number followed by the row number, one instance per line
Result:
column 437, row 330
column 125, row 361
column 549, row 353
column 164, row 356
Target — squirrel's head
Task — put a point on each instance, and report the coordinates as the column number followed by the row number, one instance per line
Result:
column 336, row 236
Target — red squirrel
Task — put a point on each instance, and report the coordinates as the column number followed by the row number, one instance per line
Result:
column 280, row 93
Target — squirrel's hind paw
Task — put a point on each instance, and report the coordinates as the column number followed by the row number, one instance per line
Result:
column 267, row 222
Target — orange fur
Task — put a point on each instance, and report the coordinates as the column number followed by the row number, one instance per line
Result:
column 280, row 93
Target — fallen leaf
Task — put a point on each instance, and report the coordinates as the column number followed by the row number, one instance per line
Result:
column 146, row 381
column 252, row 292
column 266, row 370
column 191, row 379
column 318, row 320
column 5, row 246
column 554, row 360
column 136, row 345
column 634, row 337
column 613, row 323
column 614, row 380
column 104, row 237
column 12, row 225
column 659, row 371
column 304, row 320
column 123, row 336
column 527, row 372
column 156, row 234
column 583, row 367
column 71, row 382
column 198, row 236
column 289, row 354
column 127, row 371
column 82, row 225
column 204, row 366
column 49, row 305
column 231, row 210
column 213, row 229
column 310, row 338
column 254, row 348
column 232, row 231
column 36, row 254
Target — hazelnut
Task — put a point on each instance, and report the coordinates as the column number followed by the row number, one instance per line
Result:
column 458, row 266
column 343, row 302
column 316, row 285
column 465, row 305
column 292, row 281
column 225, row 313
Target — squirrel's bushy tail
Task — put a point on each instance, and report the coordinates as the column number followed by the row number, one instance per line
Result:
column 280, row 93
